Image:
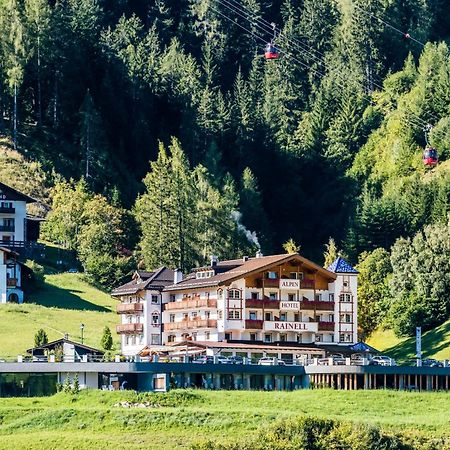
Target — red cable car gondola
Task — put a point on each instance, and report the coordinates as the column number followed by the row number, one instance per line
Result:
column 430, row 156
column 271, row 51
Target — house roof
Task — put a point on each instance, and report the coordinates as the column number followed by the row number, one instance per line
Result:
column 145, row 280
column 53, row 344
column 340, row 265
column 240, row 268
column 8, row 250
column 13, row 194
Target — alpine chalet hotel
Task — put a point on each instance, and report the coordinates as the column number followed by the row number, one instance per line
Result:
column 262, row 300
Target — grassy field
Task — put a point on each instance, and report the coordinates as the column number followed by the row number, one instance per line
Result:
column 91, row 419
column 58, row 306
column 435, row 343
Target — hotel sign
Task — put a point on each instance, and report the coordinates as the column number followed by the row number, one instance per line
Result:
column 289, row 306
column 300, row 327
column 287, row 283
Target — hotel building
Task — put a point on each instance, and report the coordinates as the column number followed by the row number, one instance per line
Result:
column 263, row 300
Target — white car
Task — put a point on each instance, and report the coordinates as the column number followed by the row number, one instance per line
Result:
column 383, row 361
column 271, row 361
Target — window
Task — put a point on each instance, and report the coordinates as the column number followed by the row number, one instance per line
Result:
column 154, row 299
column 194, row 314
column 171, row 338
column 348, row 318
column 345, row 283
column 318, row 297
column 220, row 314
column 331, row 297
column 331, row 317
column 234, row 294
column 297, row 317
column 234, row 314
column 254, row 296
column 207, row 314
column 345, row 298
column 293, row 275
column 129, row 318
column 291, row 297
column 172, row 318
column 268, row 316
column 283, row 317
column 220, row 294
column 141, row 338
column 345, row 337
column 228, row 336
column 194, row 336
column 267, row 338
column 155, row 319
column 133, row 340
column 172, row 297
column 283, row 338
column 204, row 274
column 253, row 336
column 127, row 340
column 207, row 335
column 185, row 316
column 272, row 295
column 272, row 275
column 138, row 319
column 319, row 338
column 318, row 318
column 253, row 315
column 299, row 338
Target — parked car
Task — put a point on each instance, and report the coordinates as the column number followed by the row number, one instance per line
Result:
column 72, row 270
column 235, row 360
column 203, row 360
column 383, row 360
column 222, row 360
column 432, row 363
column 271, row 361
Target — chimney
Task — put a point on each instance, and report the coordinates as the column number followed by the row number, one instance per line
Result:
column 259, row 254
column 214, row 261
column 177, row 276
column 245, row 258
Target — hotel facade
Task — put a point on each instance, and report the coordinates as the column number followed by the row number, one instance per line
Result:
column 272, row 300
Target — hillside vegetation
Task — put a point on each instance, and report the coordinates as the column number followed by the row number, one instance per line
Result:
column 250, row 420
column 59, row 306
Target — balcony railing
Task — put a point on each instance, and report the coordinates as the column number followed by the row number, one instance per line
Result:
column 130, row 328
column 11, row 282
column 10, row 228
column 262, row 303
column 253, row 324
column 268, row 283
column 129, row 308
column 7, row 210
column 326, row 326
column 307, row 284
column 317, row 305
column 13, row 244
column 190, row 324
column 192, row 303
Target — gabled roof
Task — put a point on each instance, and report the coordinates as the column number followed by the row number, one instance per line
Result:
column 53, row 344
column 13, row 194
column 244, row 269
column 146, row 280
column 340, row 265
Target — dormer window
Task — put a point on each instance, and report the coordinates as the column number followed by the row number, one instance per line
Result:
column 204, row 274
column 272, row 275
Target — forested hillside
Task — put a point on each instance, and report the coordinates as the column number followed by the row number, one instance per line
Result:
column 236, row 151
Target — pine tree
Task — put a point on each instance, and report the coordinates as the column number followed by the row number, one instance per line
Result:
column 40, row 338
column 106, row 342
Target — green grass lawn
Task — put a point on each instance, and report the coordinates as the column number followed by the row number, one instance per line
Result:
column 58, row 306
column 90, row 420
column 435, row 343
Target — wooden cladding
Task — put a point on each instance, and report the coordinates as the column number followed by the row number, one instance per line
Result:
column 130, row 328
column 317, row 305
column 252, row 324
column 191, row 303
column 266, row 303
column 129, row 308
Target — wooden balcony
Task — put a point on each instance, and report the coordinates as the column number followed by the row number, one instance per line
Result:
column 191, row 303
column 262, row 303
column 252, row 324
column 129, row 308
column 11, row 282
column 268, row 283
column 317, row 305
column 307, row 284
column 190, row 324
column 7, row 210
column 130, row 328
column 326, row 326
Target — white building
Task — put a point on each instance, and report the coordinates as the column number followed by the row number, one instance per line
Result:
column 140, row 309
column 13, row 216
column 12, row 277
column 280, row 298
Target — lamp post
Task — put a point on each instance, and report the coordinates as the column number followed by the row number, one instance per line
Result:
column 82, row 332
